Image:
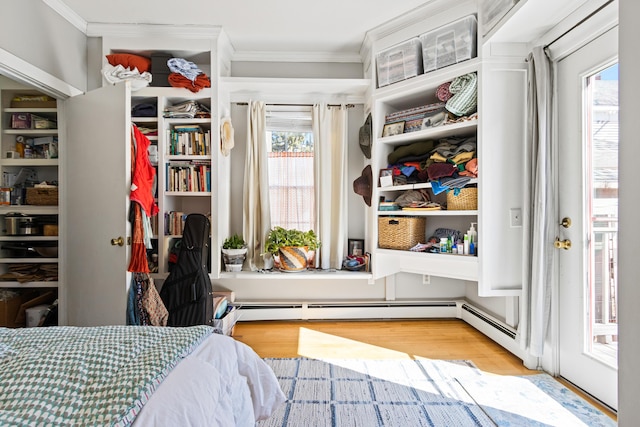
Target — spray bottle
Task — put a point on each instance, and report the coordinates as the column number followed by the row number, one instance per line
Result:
column 473, row 238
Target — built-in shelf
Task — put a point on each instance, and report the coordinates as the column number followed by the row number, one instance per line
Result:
column 31, row 110
column 306, row 275
column 428, row 213
column 434, row 133
column 416, row 186
column 23, row 238
column 188, row 193
column 30, row 131
column 29, row 162
column 16, row 284
column 29, row 209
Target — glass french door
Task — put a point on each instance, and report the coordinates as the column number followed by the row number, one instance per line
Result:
column 587, row 88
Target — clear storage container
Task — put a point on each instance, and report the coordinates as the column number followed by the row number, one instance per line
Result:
column 491, row 11
column 399, row 62
column 449, row 44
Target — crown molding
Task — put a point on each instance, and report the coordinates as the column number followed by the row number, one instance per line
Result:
column 418, row 14
column 279, row 56
column 98, row 29
column 67, row 13
column 21, row 71
column 298, row 90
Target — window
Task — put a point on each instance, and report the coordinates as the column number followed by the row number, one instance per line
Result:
column 291, row 167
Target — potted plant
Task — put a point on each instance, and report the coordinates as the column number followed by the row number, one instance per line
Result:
column 293, row 248
column 234, row 251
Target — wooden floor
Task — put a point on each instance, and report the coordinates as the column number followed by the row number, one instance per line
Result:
column 448, row 339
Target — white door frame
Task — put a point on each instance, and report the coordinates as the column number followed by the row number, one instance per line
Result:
column 559, row 47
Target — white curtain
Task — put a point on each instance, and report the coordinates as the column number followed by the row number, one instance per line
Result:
column 255, row 206
column 541, row 192
column 330, row 145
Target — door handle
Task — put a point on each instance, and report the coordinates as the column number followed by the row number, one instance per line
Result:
column 566, row 222
column 562, row 244
column 118, row 241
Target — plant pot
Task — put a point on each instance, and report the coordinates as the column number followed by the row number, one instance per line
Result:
column 293, row 258
column 234, row 259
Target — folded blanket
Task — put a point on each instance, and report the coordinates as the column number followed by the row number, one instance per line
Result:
column 200, row 82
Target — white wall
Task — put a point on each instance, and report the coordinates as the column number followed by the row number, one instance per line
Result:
column 629, row 205
column 32, row 31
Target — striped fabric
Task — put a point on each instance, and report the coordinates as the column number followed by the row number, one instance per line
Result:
column 86, row 376
column 465, row 95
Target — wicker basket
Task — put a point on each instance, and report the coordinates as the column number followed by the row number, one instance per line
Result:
column 466, row 200
column 402, row 232
column 42, row 196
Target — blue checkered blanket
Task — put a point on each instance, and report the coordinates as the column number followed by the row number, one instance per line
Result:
column 86, row 376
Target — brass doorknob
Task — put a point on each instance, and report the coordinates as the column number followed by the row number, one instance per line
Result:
column 566, row 222
column 119, row 241
column 562, row 244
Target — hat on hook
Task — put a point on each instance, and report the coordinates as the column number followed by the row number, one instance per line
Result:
column 365, row 137
column 226, row 136
column 363, row 185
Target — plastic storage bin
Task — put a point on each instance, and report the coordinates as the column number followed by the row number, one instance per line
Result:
column 492, row 11
column 449, row 44
column 399, row 62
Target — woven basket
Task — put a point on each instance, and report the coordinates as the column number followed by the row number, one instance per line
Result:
column 466, row 200
column 42, row 196
column 400, row 232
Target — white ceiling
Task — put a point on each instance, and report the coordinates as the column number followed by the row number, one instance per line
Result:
column 336, row 27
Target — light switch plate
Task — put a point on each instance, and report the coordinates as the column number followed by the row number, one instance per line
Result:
column 515, row 215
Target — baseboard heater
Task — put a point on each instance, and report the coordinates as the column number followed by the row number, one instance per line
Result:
column 489, row 320
column 335, row 310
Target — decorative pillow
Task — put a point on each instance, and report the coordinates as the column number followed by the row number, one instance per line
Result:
column 131, row 61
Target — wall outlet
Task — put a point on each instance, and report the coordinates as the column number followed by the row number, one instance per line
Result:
column 426, row 279
column 515, row 215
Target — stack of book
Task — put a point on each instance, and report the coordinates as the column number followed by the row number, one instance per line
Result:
column 189, row 175
column 188, row 140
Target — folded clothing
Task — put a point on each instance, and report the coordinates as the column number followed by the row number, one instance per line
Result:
column 118, row 73
column 144, row 110
column 186, row 68
column 439, row 170
column 415, row 149
column 200, row 82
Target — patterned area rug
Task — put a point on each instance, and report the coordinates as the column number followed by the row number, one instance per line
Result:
column 424, row 392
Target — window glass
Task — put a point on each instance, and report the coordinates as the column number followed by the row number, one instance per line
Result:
column 291, row 167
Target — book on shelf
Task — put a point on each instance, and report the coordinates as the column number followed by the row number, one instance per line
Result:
column 188, row 141
column 189, row 176
column 174, row 223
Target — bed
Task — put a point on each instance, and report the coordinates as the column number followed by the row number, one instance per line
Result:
column 132, row 375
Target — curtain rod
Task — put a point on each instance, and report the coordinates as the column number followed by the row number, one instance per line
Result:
column 299, row 105
column 582, row 21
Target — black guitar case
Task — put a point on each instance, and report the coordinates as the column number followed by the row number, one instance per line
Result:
column 187, row 293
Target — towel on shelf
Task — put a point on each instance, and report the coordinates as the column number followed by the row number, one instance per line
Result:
column 200, row 82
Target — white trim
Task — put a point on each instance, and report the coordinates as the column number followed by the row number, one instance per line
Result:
column 23, row 72
column 299, row 90
column 412, row 17
column 280, row 56
column 67, row 13
column 96, row 29
column 587, row 31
